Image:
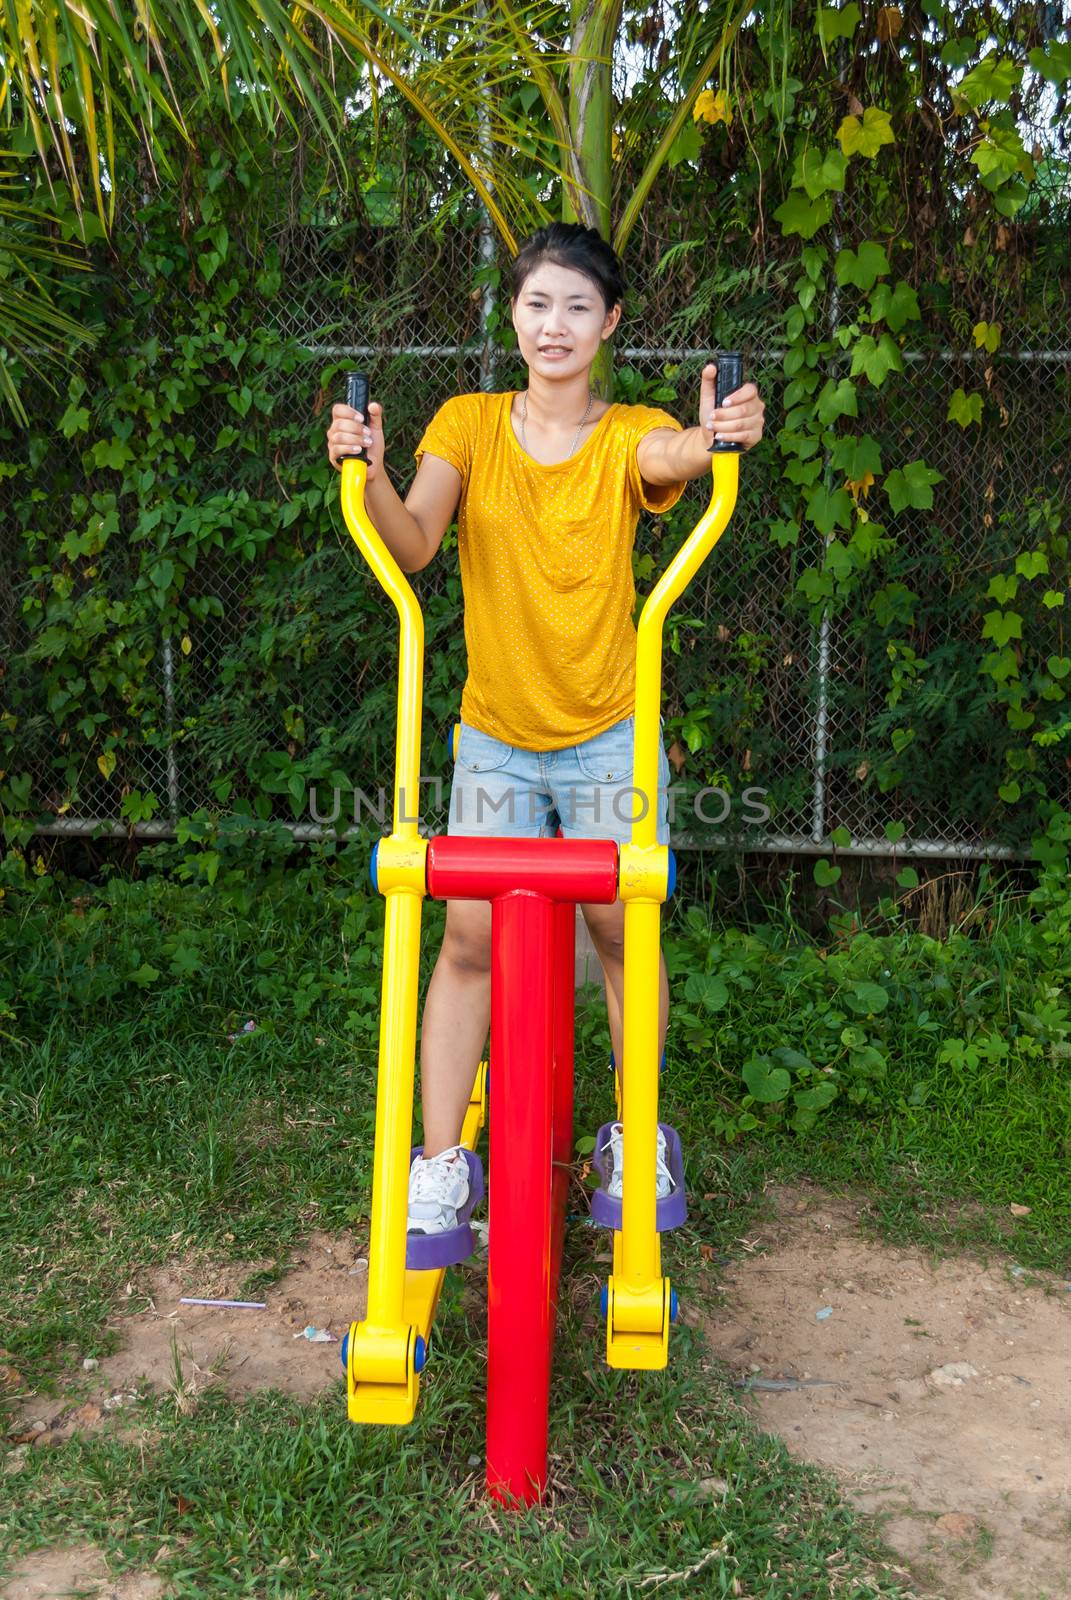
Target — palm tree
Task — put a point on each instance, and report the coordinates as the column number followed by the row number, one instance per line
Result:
column 72, row 74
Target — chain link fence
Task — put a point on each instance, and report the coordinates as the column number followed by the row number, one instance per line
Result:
column 791, row 702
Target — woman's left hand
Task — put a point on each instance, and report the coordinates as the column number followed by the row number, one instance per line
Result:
column 738, row 421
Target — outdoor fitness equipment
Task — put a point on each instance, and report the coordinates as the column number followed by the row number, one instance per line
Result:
column 534, row 886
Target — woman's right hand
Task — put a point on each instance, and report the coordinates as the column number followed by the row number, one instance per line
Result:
column 350, row 432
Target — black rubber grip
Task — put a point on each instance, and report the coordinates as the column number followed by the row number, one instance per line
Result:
column 357, row 397
column 730, row 378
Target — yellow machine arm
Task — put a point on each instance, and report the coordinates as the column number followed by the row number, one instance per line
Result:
column 639, row 1298
column 385, row 1352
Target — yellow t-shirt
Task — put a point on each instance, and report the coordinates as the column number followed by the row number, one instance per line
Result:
column 546, row 570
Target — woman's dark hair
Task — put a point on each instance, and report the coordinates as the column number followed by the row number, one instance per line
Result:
column 570, row 244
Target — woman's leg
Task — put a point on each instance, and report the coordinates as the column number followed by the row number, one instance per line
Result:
column 457, row 1014
column 606, row 924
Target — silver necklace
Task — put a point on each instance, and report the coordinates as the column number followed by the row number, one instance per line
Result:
column 576, row 436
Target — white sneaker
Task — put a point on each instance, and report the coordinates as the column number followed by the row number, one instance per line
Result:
column 438, row 1187
column 615, row 1144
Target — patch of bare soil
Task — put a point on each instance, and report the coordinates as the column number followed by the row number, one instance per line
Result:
column 50, row 1574
column 187, row 1349
column 938, row 1393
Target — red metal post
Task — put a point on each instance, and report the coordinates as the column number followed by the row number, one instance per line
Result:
column 519, row 1328
column 564, row 982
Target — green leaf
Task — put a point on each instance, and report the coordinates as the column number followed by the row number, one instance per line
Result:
column 1053, row 62
column 894, row 831
column 964, row 408
column 987, row 336
column 707, row 990
column 865, row 137
column 114, row 453
column 1000, row 156
column 907, row 878
column 799, row 214
column 792, row 1060
column 855, row 457
column 866, row 999
column 1010, row 792
column 687, row 145
column 1058, row 666
column 912, row 486
column 1052, row 598
column 837, row 400
column 819, row 171
column 1001, row 626
column 994, row 79
column 1002, row 588
column 825, row 874
column 818, row 1098
column 1000, row 665
column 784, row 533
column 955, row 53
column 841, row 838
column 900, row 738
column 829, row 508
column 143, row 976
column 876, row 358
column 765, row 1082
column 832, row 22
column 1032, row 563
column 863, row 267
column 894, row 306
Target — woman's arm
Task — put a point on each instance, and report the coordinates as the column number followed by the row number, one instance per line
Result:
column 412, row 530
column 667, row 456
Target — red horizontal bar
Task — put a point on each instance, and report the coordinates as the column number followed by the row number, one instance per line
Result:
column 577, row 870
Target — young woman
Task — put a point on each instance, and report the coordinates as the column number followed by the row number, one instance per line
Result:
column 547, row 485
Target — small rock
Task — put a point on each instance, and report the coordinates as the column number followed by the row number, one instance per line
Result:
column 955, row 1525
column 1019, row 1211
column 953, row 1374
column 90, row 1364
column 713, row 1488
column 15, row 1460
column 474, row 1461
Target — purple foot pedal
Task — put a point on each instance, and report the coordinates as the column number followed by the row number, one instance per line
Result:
column 670, row 1211
column 430, row 1252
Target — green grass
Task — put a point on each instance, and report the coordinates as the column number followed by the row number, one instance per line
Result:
column 132, row 1131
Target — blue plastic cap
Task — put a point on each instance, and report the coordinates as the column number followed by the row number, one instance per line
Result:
column 604, row 1299
column 344, row 1351
column 420, row 1354
column 372, row 873
column 673, row 1306
column 671, row 876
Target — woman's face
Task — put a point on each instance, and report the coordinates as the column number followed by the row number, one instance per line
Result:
column 561, row 320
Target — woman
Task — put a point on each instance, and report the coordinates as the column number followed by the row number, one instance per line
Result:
column 548, row 485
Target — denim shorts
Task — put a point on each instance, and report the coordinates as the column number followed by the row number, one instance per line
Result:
column 501, row 791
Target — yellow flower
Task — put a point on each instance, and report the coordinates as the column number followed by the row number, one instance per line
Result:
column 711, row 107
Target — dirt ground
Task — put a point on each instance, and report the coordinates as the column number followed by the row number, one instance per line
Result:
column 945, row 1404
column 937, row 1392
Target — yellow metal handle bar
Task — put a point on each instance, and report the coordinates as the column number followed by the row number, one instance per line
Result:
column 725, row 480
column 641, row 1294
column 411, row 657
column 381, row 1347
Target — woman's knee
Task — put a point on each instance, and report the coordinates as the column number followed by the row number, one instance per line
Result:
column 607, row 934
column 467, row 940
